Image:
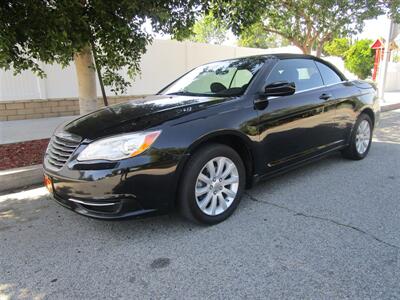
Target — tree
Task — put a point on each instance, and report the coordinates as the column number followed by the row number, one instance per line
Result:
column 359, row 59
column 337, row 47
column 104, row 33
column 209, row 30
column 256, row 37
column 307, row 24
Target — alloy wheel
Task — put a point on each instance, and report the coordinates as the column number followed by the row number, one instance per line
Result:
column 217, row 185
column 363, row 136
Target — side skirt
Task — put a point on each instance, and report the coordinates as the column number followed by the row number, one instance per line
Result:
column 283, row 170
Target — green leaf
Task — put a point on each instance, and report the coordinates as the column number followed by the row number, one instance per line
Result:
column 53, row 31
column 359, row 59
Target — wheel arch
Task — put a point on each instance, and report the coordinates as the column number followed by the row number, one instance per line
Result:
column 236, row 140
column 368, row 111
column 365, row 110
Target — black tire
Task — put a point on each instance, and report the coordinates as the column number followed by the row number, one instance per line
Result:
column 350, row 152
column 187, row 198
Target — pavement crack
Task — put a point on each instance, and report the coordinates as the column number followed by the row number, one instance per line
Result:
column 297, row 213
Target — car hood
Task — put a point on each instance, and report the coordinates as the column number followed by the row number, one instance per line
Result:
column 135, row 115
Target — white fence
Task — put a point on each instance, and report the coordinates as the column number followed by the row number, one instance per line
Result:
column 393, row 77
column 163, row 62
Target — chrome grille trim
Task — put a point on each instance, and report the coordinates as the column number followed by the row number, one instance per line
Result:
column 59, row 153
column 64, row 143
column 55, row 163
column 60, row 149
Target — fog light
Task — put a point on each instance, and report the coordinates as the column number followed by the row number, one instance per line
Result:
column 48, row 183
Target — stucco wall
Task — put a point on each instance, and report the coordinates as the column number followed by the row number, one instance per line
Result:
column 393, row 77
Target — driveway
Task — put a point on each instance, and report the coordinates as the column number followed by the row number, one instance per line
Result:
column 328, row 230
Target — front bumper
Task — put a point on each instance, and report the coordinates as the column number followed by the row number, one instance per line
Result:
column 116, row 208
column 135, row 187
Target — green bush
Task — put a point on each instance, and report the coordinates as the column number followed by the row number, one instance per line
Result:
column 337, row 47
column 359, row 59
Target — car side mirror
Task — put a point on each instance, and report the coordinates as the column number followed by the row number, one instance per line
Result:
column 280, row 88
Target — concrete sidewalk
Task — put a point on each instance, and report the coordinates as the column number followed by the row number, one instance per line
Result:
column 27, row 130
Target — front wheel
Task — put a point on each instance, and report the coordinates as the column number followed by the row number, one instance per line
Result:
column 361, row 138
column 212, row 184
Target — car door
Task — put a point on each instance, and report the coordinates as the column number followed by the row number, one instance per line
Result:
column 297, row 126
column 344, row 97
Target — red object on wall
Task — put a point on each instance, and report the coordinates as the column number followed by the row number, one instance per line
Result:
column 379, row 50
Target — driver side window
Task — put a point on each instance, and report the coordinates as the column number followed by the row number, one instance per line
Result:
column 303, row 72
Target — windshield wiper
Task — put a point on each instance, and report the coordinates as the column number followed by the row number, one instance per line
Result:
column 180, row 93
column 183, row 93
column 202, row 94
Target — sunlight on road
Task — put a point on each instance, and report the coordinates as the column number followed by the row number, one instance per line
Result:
column 388, row 130
column 21, row 206
column 31, row 194
column 7, row 291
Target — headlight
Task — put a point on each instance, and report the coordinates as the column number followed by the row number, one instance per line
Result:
column 119, row 147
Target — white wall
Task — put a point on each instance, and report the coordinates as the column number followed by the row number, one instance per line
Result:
column 339, row 63
column 164, row 61
column 393, row 77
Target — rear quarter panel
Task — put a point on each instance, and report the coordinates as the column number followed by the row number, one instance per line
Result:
column 354, row 97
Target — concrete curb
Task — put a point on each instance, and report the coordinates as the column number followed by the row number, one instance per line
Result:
column 390, row 107
column 20, row 177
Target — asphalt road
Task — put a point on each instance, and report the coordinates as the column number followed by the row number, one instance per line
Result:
column 327, row 230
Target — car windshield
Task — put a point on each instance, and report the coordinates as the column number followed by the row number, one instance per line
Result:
column 224, row 78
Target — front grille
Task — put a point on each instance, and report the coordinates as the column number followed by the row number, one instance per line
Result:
column 60, row 148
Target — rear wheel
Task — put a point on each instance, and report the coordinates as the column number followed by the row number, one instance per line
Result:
column 361, row 139
column 212, row 184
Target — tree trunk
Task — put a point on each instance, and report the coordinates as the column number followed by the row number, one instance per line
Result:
column 86, row 73
column 319, row 49
column 306, row 49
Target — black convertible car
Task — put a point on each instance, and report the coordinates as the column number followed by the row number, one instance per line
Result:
column 207, row 136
